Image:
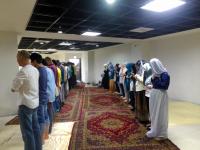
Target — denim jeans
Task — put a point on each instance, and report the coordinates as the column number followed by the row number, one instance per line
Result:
column 43, row 117
column 51, row 115
column 57, row 104
column 30, row 128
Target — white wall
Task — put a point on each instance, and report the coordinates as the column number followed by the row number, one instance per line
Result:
column 9, row 68
column 181, row 56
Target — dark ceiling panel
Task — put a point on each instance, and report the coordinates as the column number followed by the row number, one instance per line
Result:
column 30, row 43
column 77, row 16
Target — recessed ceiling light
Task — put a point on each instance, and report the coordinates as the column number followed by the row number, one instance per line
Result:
column 65, row 44
column 110, row 1
column 141, row 30
column 51, row 49
column 60, row 31
column 90, row 43
column 162, row 5
column 75, row 57
column 74, row 48
column 91, row 33
column 41, row 43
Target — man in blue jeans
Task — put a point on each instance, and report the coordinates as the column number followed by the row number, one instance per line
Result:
column 26, row 83
column 43, row 117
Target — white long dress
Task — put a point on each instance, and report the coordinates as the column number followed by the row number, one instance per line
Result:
column 158, row 108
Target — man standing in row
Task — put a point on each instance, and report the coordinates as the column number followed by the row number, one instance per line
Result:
column 26, row 83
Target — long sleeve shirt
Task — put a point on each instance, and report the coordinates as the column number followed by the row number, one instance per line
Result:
column 43, row 95
column 54, row 69
column 26, row 83
column 161, row 82
column 139, row 82
column 51, row 86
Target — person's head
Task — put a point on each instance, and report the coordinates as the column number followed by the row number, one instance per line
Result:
column 58, row 62
column 23, row 58
column 146, row 67
column 44, row 62
column 117, row 66
column 137, row 65
column 36, row 59
column 54, row 62
column 134, row 68
column 157, row 67
column 48, row 60
column 105, row 66
column 123, row 66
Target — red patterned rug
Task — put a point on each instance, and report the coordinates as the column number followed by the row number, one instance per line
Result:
column 80, row 86
column 75, row 93
column 71, row 111
column 102, row 102
column 116, row 130
column 95, row 91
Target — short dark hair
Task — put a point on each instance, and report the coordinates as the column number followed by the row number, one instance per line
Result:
column 24, row 54
column 36, row 57
column 44, row 62
column 55, row 62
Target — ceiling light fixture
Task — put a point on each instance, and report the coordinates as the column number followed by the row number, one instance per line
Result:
column 74, row 48
column 142, row 29
column 75, row 57
column 51, row 49
column 162, row 5
column 65, row 44
column 60, row 31
column 110, row 1
column 41, row 41
column 91, row 33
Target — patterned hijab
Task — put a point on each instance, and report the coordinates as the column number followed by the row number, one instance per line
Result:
column 157, row 67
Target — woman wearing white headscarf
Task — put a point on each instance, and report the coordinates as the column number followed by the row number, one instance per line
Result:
column 159, row 101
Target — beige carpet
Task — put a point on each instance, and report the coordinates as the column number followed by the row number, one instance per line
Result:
column 10, row 137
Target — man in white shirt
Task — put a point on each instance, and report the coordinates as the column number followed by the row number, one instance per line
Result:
column 26, row 83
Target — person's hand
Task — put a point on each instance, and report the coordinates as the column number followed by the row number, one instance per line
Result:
column 135, row 76
column 149, row 86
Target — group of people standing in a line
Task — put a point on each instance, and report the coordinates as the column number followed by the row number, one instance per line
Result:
column 144, row 86
column 43, row 85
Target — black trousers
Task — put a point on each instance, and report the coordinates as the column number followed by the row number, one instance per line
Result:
column 117, row 86
column 122, row 88
column 132, row 98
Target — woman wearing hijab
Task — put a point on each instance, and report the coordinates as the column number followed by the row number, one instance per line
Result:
column 117, row 69
column 105, row 79
column 111, row 70
column 159, row 101
column 132, row 88
column 147, row 83
column 127, row 81
column 122, row 74
column 141, row 109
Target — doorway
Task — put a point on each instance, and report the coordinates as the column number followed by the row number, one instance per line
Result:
column 77, row 64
